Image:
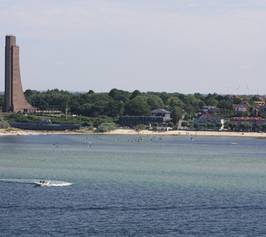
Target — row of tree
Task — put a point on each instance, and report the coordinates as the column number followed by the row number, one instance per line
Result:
column 119, row 102
column 113, row 104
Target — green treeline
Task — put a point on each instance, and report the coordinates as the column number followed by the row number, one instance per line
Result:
column 120, row 102
column 110, row 106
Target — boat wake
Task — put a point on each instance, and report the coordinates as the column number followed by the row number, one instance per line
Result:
column 48, row 183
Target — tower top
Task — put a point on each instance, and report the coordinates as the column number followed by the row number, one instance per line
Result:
column 10, row 40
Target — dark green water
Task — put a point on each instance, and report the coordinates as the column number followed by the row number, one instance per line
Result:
column 132, row 186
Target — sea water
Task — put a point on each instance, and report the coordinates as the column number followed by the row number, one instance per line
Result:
column 132, row 186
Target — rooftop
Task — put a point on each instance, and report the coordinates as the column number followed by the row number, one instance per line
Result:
column 161, row 111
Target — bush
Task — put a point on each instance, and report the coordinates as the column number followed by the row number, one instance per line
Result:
column 140, row 127
column 22, row 118
column 4, row 124
column 106, row 127
column 101, row 120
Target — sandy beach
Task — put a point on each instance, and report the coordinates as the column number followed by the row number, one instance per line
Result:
column 18, row 132
column 187, row 133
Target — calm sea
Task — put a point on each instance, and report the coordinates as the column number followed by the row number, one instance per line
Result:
column 133, row 186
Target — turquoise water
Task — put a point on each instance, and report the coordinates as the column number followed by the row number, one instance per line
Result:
column 133, row 186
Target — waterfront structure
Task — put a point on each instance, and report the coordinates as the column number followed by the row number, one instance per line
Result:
column 208, row 109
column 165, row 114
column 207, row 121
column 45, row 125
column 248, row 124
column 241, row 108
column 159, row 117
column 262, row 111
column 14, row 99
column 132, row 121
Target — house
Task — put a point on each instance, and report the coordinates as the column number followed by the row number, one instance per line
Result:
column 165, row 114
column 207, row 121
column 262, row 111
column 132, row 121
column 247, row 124
column 208, row 109
column 259, row 103
column 158, row 117
column 241, row 108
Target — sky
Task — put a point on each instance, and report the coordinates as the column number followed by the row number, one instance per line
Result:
column 187, row 46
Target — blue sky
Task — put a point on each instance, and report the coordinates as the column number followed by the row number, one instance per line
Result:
column 152, row 45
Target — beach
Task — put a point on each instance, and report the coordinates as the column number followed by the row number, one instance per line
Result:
column 186, row 133
column 20, row 132
column 120, row 131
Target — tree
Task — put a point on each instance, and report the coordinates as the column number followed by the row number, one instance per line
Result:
column 39, row 102
column 134, row 94
column 119, row 95
column 174, row 101
column 164, row 96
column 236, row 100
column 225, row 104
column 176, row 113
column 154, row 102
column 137, row 106
column 28, row 93
column 1, row 101
column 211, row 100
column 115, row 108
column 85, row 109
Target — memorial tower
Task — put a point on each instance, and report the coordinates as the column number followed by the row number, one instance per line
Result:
column 14, row 100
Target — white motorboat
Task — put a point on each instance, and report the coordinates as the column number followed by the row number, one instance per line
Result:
column 43, row 183
column 51, row 183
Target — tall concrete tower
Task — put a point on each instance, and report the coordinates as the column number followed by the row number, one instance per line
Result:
column 14, row 100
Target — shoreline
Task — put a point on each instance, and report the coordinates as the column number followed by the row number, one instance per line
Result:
column 18, row 132
column 187, row 133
